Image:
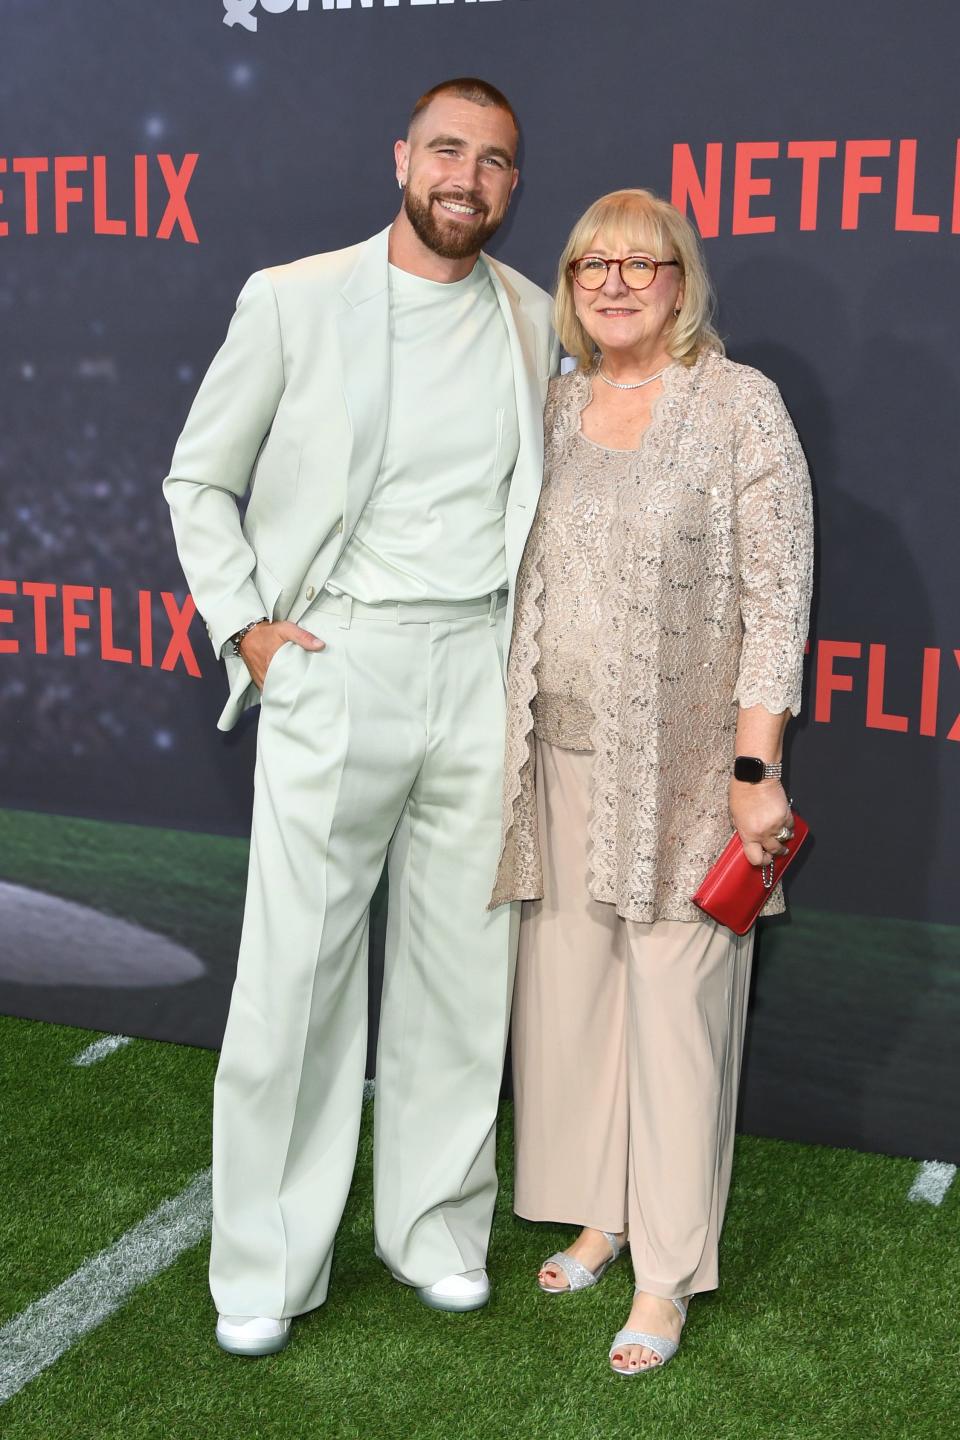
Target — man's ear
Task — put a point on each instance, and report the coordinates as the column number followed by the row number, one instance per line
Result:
column 401, row 155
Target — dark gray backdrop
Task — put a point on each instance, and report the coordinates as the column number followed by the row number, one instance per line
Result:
column 103, row 339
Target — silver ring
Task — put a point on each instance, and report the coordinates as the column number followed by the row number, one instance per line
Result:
column 784, row 833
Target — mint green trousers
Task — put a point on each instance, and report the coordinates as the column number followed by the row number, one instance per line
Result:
column 387, row 745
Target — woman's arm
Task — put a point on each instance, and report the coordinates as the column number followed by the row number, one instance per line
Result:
column 758, row 811
column 775, row 560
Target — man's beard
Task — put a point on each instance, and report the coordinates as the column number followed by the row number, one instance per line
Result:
column 451, row 242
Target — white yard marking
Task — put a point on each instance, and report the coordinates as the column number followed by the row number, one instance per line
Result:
column 100, row 1049
column 933, row 1180
column 39, row 1335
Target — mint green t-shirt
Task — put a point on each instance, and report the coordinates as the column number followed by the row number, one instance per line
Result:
column 433, row 526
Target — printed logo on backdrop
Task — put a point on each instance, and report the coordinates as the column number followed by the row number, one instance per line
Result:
column 751, row 187
column 244, row 12
column 848, row 679
column 140, row 195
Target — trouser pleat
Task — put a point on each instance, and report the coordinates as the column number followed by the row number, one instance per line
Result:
column 448, row 978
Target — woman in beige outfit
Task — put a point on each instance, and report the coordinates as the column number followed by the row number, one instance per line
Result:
column 659, row 634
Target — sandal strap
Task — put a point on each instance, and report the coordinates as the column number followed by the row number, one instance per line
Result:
column 579, row 1277
column 613, row 1242
column 682, row 1305
column 659, row 1344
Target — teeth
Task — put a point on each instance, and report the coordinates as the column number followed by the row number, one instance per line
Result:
column 457, row 209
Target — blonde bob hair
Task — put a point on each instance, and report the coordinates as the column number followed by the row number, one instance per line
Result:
column 643, row 223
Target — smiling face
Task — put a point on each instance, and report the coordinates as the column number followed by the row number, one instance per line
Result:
column 457, row 167
column 620, row 319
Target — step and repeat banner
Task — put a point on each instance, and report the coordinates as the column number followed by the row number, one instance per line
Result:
column 153, row 155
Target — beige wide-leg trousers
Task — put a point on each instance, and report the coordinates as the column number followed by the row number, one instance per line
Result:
column 388, row 743
column 627, row 1041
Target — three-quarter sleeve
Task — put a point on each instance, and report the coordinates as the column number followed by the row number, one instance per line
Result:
column 774, row 547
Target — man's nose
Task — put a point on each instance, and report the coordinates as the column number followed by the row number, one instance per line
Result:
column 469, row 173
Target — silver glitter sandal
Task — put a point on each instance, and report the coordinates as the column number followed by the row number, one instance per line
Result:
column 659, row 1344
column 579, row 1277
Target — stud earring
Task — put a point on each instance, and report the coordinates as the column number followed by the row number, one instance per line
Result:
column 676, row 313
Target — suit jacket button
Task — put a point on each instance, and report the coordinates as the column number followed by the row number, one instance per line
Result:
column 310, row 592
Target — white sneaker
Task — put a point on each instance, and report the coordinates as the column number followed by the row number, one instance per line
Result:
column 468, row 1291
column 252, row 1334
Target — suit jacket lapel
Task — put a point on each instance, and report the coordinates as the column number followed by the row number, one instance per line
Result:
column 528, row 472
column 525, row 487
column 364, row 332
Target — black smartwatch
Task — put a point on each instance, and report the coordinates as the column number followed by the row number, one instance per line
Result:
column 752, row 770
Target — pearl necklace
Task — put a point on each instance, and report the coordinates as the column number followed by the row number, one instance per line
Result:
column 639, row 384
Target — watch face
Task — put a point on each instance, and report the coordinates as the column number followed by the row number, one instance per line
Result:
column 749, row 768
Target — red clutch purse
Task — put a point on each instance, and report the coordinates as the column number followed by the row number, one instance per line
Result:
column 734, row 891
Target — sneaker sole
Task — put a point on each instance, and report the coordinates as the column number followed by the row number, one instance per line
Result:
column 253, row 1349
column 457, row 1307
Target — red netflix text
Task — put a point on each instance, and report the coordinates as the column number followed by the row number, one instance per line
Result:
column 54, row 615
column 867, row 167
column 60, row 193
column 851, row 668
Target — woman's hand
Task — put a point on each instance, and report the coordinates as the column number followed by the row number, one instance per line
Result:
column 259, row 645
column 758, row 813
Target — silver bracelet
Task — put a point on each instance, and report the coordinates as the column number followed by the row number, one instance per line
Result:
column 236, row 639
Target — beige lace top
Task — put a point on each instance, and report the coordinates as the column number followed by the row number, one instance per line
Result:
column 703, row 607
column 575, row 520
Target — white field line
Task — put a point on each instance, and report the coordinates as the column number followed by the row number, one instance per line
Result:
column 932, row 1181
column 100, row 1049
column 40, row 1334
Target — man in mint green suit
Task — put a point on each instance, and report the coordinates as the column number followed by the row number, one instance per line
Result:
column 382, row 408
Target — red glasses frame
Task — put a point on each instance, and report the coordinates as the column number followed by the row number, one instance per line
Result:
column 600, row 259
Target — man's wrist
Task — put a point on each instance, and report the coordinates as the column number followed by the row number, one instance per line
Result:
column 236, row 640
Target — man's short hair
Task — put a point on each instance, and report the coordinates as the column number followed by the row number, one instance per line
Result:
column 467, row 87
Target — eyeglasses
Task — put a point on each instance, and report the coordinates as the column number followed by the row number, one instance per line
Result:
column 637, row 271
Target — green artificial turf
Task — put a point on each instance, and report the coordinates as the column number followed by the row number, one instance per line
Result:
column 836, row 1316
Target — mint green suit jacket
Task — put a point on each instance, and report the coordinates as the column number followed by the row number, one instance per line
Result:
column 293, row 413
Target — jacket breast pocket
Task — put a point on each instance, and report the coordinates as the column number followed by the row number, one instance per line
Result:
column 506, row 449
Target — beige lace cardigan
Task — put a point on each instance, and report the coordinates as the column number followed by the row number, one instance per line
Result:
column 705, row 609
